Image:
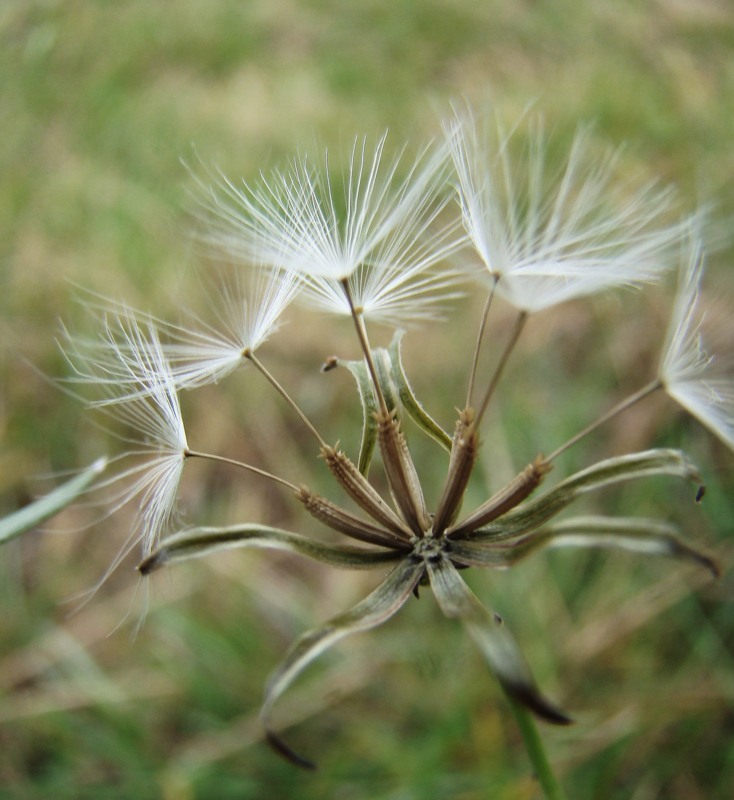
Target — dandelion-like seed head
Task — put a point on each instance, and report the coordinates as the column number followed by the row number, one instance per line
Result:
column 690, row 375
column 381, row 246
column 549, row 233
column 138, row 391
column 249, row 305
column 382, row 230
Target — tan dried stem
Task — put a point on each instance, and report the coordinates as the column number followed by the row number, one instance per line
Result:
column 365, row 344
column 520, row 321
column 628, row 402
column 248, row 354
column 241, row 465
column 478, row 345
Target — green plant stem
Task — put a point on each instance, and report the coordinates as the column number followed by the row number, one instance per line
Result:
column 536, row 752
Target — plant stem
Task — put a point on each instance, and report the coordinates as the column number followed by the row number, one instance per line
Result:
column 536, row 752
column 241, row 465
column 618, row 409
column 364, row 343
column 282, row 392
column 522, row 318
column 478, row 346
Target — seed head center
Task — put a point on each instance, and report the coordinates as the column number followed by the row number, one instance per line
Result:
column 429, row 548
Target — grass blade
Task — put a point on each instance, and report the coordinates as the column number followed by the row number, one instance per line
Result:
column 46, row 507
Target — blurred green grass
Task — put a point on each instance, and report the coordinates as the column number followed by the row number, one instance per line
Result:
column 99, row 102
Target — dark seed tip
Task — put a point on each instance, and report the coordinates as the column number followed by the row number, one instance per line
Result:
column 529, row 697
column 148, row 564
column 549, row 713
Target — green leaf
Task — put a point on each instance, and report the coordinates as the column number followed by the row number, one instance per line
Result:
column 39, row 511
column 494, row 640
column 605, row 473
column 375, row 609
column 410, row 402
column 198, row 542
column 648, row 536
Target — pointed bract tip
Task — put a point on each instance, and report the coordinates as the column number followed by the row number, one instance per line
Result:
column 150, row 563
column 531, row 699
column 286, row 752
column 709, row 563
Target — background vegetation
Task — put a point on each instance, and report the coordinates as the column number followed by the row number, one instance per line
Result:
column 99, row 104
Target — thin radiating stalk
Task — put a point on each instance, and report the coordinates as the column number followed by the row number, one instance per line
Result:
column 478, row 345
column 282, row 392
column 628, row 402
column 519, row 325
column 364, row 342
column 241, row 464
column 536, row 751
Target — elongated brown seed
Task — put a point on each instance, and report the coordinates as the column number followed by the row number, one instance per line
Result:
column 362, row 491
column 517, row 490
column 464, row 450
column 343, row 521
column 401, row 473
